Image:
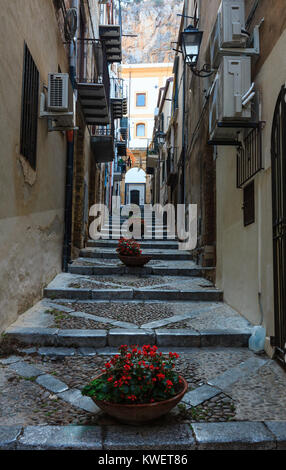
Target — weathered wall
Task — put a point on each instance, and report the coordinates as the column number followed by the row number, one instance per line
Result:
column 31, row 202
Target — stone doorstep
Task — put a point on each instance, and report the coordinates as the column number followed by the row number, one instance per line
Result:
column 133, row 294
column 242, row 435
column 115, row 337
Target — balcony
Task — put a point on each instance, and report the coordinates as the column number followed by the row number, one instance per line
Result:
column 102, row 144
column 118, row 98
column 172, row 172
column 121, row 148
column 124, row 128
column 110, row 35
column 151, row 161
column 93, row 84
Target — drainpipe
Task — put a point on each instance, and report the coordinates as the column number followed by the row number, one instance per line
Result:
column 70, row 159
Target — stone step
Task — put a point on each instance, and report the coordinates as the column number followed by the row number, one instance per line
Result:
column 146, row 244
column 113, row 338
column 80, row 287
column 155, row 253
column 133, row 294
column 242, row 435
column 93, row 270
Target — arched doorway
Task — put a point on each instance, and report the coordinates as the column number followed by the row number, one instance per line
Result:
column 135, row 186
column 278, row 164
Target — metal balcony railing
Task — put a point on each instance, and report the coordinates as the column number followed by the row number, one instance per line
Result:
column 97, row 131
column 93, row 81
column 171, row 167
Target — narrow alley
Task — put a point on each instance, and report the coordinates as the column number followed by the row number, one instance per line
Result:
column 142, row 227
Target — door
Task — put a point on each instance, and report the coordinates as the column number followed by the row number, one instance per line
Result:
column 135, row 196
column 278, row 155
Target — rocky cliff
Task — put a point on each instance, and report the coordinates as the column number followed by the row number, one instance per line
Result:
column 155, row 24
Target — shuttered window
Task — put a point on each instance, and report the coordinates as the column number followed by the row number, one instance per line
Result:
column 249, row 204
column 29, row 115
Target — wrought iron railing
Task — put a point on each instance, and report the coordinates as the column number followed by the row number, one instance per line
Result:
column 97, row 131
column 249, row 157
column 118, row 89
column 92, row 64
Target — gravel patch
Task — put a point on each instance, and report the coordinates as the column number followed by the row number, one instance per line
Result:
column 137, row 313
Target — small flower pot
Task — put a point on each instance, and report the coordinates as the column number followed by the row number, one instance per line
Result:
column 134, row 260
column 137, row 414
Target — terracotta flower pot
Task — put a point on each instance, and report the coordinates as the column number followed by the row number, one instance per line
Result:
column 139, row 414
column 134, row 260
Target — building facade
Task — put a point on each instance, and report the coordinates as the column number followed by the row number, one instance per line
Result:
column 143, row 82
column 228, row 121
column 54, row 144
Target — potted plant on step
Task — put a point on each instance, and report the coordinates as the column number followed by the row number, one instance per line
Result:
column 137, row 385
column 130, row 253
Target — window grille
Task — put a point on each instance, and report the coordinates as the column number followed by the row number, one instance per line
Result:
column 29, row 117
column 249, row 157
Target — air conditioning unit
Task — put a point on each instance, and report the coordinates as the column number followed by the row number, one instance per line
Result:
column 58, row 105
column 229, row 29
column 58, row 92
column 231, row 98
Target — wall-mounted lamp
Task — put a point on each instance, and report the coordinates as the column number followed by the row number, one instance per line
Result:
column 190, row 42
column 160, row 137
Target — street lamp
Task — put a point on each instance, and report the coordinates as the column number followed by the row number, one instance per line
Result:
column 161, row 137
column 190, row 42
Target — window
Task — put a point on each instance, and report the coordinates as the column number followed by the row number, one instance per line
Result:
column 140, row 130
column 29, row 117
column 140, row 99
column 248, row 204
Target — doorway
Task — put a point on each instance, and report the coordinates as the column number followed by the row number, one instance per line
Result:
column 278, row 162
column 135, row 196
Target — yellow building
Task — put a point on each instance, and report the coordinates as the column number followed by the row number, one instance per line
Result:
column 143, row 82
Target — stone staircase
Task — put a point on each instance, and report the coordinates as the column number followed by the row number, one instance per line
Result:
column 100, row 303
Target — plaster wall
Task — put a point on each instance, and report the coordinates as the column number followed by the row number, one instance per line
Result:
column 31, row 202
column 244, row 254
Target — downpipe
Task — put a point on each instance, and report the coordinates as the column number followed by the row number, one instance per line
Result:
column 67, row 244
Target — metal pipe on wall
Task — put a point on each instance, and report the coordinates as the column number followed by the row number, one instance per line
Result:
column 70, row 160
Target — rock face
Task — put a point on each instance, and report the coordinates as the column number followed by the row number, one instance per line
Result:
column 156, row 24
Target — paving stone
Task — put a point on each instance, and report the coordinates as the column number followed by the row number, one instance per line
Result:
column 51, row 383
column 233, row 374
column 10, row 360
column 9, row 436
column 61, row 437
column 233, row 436
column 178, row 337
column 232, row 338
column 148, row 437
column 25, row 370
column 50, row 351
column 278, row 428
column 112, row 294
column 67, row 293
column 116, row 337
column 88, row 351
column 83, row 338
column 75, row 397
column 39, row 336
column 200, row 394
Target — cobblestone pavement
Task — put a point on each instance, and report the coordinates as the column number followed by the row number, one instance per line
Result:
column 41, row 384
column 256, row 395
